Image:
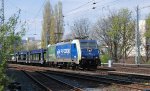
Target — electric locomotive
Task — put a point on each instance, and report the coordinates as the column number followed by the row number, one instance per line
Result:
column 75, row 53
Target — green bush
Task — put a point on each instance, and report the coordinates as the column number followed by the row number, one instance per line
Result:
column 104, row 58
column 1, row 88
column 9, row 38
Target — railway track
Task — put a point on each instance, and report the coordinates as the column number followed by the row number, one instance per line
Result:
column 48, row 83
column 118, row 81
column 60, row 81
column 127, row 65
column 102, row 79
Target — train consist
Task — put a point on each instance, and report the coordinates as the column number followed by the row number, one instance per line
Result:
column 76, row 53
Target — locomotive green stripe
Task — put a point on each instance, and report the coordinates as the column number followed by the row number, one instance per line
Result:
column 51, row 53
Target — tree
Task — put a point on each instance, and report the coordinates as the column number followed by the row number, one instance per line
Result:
column 68, row 36
column 48, row 25
column 147, row 35
column 9, row 40
column 81, row 28
column 52, row 24
column 32, row 45
column 59, row 29
column 116, row 32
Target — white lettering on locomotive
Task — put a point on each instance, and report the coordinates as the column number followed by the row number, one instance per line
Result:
column 63, row 51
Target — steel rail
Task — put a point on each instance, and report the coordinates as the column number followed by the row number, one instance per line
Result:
column 36, row 81
column 106, row 80
column 60, row 81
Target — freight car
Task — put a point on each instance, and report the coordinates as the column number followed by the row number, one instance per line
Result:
column 76, row 53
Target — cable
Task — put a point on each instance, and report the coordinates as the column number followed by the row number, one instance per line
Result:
column 78, row 8
column 108, row 3
column 38, row 14
column 84, row 5
column 145, row 7
column 16, row 6
column 94, row 8
column 40, row 9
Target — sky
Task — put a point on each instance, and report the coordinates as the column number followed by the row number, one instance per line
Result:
column 32, row 11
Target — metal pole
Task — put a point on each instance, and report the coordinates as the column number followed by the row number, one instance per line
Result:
column 137, row 39
column 1, row 25
column 2, row 12
column 46, row 46
column 47, row 42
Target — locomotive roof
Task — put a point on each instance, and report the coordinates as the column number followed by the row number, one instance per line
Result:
column 87, row 40
column 81, row 40
column 61, row 43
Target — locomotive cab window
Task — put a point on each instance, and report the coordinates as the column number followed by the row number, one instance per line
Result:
column 92, row 45
column 88, row 45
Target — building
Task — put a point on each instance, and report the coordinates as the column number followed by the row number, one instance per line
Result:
column 142, row 31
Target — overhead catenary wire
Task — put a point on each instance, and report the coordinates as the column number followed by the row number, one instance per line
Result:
column 79, row 7
column 144, row 7
column 87, row 10
column 40, row 9
column 78, row 10
column 83, row 5
column 106, row 5
column 33, row 21
column 14, row 5
column 90, row 8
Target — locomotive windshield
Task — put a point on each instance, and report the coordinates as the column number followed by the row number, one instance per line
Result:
column 88, row 44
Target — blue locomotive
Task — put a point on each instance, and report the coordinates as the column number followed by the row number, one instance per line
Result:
column 75, row 53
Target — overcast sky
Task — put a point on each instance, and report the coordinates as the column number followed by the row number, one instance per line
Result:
column 32, row 11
